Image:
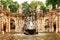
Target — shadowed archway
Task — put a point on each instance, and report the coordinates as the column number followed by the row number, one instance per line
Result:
column 54, row 26
column 12, row 25
column 4, row 27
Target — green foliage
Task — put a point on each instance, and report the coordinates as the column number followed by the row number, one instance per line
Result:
column 31, row 8
column 44, row 8
column 33, row 5
column 9, row 1
column 58, row 2
column 25, row 7
column 53, row 2
column 4, row 3
column 40, row 3
column 14, row 7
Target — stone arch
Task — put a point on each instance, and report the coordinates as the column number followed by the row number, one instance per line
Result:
column 47, row 25
column 12, row 25
column 4, row 27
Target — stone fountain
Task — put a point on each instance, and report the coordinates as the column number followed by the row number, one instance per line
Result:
column 30, row 26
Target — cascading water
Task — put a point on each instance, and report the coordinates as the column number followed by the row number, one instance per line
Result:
column 30, row 27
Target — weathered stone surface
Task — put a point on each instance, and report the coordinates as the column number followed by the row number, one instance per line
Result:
column 41, row 36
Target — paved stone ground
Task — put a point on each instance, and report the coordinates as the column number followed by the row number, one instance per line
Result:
column 41, row 36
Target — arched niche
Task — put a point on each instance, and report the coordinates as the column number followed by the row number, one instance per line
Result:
column 54, row 26
column 12, row 25
column 4, row 27
column 47, row 25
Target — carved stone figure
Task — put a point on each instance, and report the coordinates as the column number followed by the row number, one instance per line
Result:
column 30, row 26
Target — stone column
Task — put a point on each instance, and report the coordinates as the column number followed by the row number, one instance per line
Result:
column 50, row 25
column 1, row 23
column 58, row 17
column 8, row 24
column 21, row 24
column 52, row 29
column 43, row 25
column 16, row 25
column 38, row 23
column 59, row 23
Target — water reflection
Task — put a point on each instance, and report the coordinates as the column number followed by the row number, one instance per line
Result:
column 41, row 36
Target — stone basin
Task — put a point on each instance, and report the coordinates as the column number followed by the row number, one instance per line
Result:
column 40, row 36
